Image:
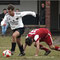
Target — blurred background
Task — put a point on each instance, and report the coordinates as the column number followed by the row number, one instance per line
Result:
column 47, row 12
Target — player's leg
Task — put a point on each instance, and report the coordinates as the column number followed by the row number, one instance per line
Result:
column 16, row 38
column 49, row 41
column 47, row 51
column 53, row 47
column 14, row 35
column 44, row 48
column 20, row 45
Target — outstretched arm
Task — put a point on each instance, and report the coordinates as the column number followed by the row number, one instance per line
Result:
column 37, row 48
column 25, row 46
column 28, row 13
column 36, row 38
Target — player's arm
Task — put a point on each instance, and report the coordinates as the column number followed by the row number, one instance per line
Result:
column 36, row 38
column 37, row 48
column 25, row 46
column 4, row 21
column 28, row 13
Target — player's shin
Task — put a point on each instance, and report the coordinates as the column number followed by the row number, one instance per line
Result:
column 46, row 49
column 57, row 48
column 13, row 47
column 21, row 49
column 43, row 48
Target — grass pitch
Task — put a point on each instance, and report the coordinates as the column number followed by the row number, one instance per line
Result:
column 5, row 43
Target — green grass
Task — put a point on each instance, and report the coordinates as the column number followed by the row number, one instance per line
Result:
column 5, row 43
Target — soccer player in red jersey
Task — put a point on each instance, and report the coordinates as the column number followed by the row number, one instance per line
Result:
column 40, row 35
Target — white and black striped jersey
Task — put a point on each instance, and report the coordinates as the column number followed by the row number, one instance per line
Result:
column 16, row 20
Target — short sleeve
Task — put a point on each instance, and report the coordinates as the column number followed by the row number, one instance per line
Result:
column 36, row 38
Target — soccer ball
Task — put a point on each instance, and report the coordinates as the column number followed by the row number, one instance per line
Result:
column 6, row 53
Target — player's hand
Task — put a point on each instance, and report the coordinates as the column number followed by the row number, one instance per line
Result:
column 4, row 25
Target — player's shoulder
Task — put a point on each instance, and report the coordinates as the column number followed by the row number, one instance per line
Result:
column 17, row 13
column 6, row 14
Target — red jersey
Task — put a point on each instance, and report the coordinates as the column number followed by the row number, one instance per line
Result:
column 38, row 34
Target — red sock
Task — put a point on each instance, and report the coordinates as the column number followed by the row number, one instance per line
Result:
column 57, row 48
column 43, row 48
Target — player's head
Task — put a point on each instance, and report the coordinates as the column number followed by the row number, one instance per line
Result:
column 17, row 10
column 10, row 9
column 28, row 41
column 4, row 10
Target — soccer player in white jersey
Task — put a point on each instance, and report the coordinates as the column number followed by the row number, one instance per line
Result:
column 17, row 26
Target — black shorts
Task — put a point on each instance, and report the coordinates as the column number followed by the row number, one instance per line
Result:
column 20, row 30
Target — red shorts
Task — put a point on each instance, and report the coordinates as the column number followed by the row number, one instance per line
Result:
column 48, row 39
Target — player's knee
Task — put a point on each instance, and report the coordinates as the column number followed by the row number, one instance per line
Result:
column 13, row 36
column 52, row 46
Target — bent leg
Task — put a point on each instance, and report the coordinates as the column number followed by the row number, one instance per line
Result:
column 49, row 41
column 42, row 47
column 20, row 45
column 14, row 35
column 57, row 48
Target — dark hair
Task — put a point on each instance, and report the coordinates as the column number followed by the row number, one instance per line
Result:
column 10, row 7
column 17, row 9
column 28, row 41
column 4, row 9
